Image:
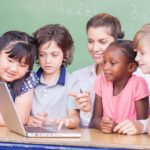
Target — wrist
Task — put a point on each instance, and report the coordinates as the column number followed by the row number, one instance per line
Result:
column 144, row 124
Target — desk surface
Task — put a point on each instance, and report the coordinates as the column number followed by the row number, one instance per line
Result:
column 90, row 138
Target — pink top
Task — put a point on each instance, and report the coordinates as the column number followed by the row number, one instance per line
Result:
column 121, row 106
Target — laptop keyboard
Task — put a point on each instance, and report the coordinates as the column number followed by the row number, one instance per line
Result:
column 37, row 130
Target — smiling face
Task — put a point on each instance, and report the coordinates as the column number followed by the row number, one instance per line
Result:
column 115, row 65
column 11, row 69
column 143, row 55
column 99, row 39
column 50, row 58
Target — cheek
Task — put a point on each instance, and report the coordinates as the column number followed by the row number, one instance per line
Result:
column 105, row 46
column 22, row 72
column 146, row 60
column 89, row 46
column 3, row 67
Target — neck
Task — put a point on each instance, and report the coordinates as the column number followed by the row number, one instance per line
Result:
column 50, row 78
column 119, row 85
column 98, row 69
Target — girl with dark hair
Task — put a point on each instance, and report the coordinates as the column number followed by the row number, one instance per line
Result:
column 121, row 94
column 17, row 55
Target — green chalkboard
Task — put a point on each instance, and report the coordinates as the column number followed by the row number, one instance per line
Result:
column 28, row 15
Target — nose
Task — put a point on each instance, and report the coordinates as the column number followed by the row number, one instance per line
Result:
column 48, row 59
column 96, row 47
column 137, row 58
column 14, row 67
column 106, row 66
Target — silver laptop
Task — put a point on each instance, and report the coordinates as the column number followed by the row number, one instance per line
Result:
column 13, row 122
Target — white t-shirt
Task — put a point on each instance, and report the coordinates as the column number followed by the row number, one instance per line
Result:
column 86, row 77
column 138, row 72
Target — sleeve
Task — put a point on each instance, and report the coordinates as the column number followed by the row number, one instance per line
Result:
column 98, row 84
column 30, row 83
column 141, row 89
column 73, row 87
column 145, row 125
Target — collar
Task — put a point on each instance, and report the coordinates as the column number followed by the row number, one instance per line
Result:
column 93, row 69
column 61, row 79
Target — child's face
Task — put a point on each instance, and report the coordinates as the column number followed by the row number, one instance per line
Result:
column 11, row 69
column 50, row 58
column 143, row 56
column 115, row 65
column 99, row 39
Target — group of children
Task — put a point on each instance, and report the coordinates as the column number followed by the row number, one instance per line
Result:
column 107, row 95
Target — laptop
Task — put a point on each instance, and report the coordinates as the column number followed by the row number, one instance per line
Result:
column 13, row 122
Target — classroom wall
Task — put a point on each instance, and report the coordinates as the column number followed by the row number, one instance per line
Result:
column 28, row 15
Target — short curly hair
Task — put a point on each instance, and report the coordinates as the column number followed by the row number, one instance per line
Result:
column 60, row 35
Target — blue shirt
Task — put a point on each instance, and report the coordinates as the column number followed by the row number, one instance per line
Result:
column 30, row 83
column 62, row 76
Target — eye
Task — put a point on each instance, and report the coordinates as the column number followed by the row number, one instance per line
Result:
column 142, row 52
column 113, row 63
column 55, row 54
column 90, row 41
column 23, row 65
column 41, row 55
column 104, row 42
column 104, row 62
column 10, row 60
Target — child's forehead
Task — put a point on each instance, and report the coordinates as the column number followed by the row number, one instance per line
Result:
column 50, row 46
column 144, row 43
column 114, row 51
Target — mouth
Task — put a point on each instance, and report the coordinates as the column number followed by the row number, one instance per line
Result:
column 107, row 75
column 141, row 65
column 47, row 66
column 100, row 56
column 10, row 74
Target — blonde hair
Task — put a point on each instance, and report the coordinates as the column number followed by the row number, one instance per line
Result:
column 142, row 34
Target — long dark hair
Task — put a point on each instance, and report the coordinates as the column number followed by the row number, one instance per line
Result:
column 19, row 45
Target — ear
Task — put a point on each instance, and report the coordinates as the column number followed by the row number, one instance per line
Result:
column 132, row 67
column 67, row 53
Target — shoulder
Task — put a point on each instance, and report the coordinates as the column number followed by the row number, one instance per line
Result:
column 70, row 77
column 72, row 83
column 84, row 71
column 136, row 78
column 30, row 83
column 138, row 82
column 145, row 76
column 32, row 79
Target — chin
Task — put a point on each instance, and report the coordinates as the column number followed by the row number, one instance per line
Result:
column 98, row 61
column 145, row 71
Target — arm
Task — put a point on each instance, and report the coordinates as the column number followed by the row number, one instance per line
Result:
column 83, row 101
column 73, row 119
column 130, row 127
column 71, row 122
column 142, row 106
column 97, row 113
column 139, row 126
column 23, row 105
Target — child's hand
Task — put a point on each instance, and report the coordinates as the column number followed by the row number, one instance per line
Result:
column 107, row 125
column 129, row 127
column 39, row 119
column 67, row 122
column 83, row 101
